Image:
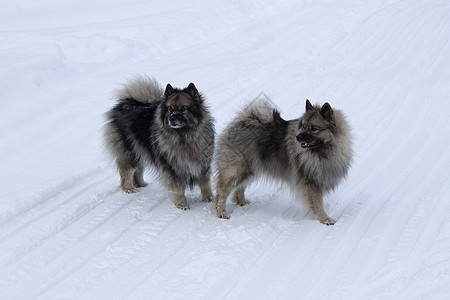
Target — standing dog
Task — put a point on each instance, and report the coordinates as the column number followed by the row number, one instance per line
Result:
column 171, row 130
column 312, row 153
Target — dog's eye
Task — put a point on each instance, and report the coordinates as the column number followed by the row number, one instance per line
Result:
column 182, row 108
column 170, row 109
column 314, row 128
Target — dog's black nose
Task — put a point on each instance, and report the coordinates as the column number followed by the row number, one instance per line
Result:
column 175, row 117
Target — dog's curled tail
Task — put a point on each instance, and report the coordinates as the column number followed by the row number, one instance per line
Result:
column 261, row 107
column 141, row 88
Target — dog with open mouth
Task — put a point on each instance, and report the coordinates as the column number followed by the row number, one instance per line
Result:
column 169, row 130
column 313, row 153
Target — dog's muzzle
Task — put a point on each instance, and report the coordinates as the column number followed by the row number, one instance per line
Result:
column 177, row 121
column 307, row 141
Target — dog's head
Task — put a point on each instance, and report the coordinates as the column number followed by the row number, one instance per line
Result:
column 317, row 127
column 181, row 109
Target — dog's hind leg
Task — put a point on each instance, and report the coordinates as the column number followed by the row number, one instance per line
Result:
column 139, row 178
column 228, row 180
column 224, row 187
column 239, row 196
column 126, row 180
column 127, row 167
column 205, row 188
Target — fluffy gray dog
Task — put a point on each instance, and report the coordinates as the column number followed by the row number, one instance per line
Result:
column 171, row 131
column 312, row 153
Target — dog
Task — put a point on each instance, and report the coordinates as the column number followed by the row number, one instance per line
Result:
column 312, row 154
column 171, row 131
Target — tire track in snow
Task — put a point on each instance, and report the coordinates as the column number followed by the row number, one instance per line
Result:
column 277, row 272
column 419, row 211
column 66, row 256
column 163, row 265
column 109, row 253
column 217, row 248
column 37, row 231
column 409, row 244
column 435, row 267
column 33, row 216
column 63, row 240
column 195, row 243
column 428, row 123
column 44, row 198
column 155, row 229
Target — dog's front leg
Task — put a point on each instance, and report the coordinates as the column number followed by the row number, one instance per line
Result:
column 177, row 190
column 314, row 196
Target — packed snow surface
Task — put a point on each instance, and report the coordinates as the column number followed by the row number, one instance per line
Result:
column 68, row 232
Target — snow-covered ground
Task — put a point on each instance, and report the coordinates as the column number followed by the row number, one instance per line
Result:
column 67, row 232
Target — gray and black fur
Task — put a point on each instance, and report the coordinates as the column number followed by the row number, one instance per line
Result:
column 171, row 131
column 312, row 153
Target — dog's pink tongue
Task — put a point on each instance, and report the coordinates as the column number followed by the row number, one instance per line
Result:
column 304, row 145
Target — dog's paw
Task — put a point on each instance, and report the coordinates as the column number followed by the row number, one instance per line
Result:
column 129, row 190
column 223, row 215
column 242, row 203
column 141, row 184
column 208, row 199
column 182, row 205
column 328, row 221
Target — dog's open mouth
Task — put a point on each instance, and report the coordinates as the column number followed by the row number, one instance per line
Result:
column 310, row 145
column 176, row 124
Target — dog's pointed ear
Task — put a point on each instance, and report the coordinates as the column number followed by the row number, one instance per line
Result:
column 192, row 90
column 309, row 105
column 169, row 90
column 327, row 112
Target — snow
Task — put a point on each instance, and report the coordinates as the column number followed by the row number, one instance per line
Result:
column 68, row 232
